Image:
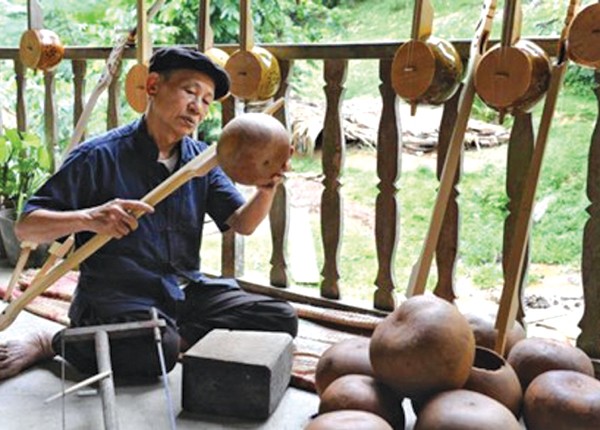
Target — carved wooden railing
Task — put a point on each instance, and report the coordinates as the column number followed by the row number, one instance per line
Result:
column 389, row 154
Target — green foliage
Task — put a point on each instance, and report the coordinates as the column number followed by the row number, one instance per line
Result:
column 24, row 165
column 281, row 21
column 580, row 80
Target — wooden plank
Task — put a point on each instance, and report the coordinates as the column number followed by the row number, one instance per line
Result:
column 300, row 51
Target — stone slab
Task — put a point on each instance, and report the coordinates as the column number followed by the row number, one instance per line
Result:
column 241, row 374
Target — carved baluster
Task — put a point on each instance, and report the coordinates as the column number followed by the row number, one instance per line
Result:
column 114, row 89
column 21, row 79
column 232, row 247
column 280, row 211
column 520, row 150
column 79, row 68
column 447, row 246
column 387, row 207
column 589, row 339
column 50, row 123
column 333, row 160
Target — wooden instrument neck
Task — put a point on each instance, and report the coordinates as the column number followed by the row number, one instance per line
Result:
column 561, row 53
column 205, row 33
column 422, row 25
column 483, row 31
column 143, row 40
column 35, row 17
column 246, row 30
column 511, row 28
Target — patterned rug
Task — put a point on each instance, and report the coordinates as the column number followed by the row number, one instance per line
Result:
column 319, row 328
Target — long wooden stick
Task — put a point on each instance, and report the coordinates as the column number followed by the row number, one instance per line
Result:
column 26, row 248
column 421, row 268
column 422, row 25
column 507, row 310
column 84, row 383
column 198, row 166
column 57, row 251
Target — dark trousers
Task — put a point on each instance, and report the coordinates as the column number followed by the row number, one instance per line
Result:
column 221, row 304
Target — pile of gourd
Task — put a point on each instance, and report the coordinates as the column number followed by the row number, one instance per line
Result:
column 442, row 360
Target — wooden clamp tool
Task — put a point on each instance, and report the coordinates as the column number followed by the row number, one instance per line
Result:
column 418, row 279
column 507, row 310
column 135, row 82
column 425, row 69
column 199, row 166
column 100, row 334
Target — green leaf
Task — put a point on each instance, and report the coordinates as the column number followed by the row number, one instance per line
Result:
column 4, row 150
column 43, row 158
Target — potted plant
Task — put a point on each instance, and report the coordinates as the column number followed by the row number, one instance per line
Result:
column 24, row 166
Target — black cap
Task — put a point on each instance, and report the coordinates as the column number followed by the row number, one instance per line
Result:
column 173, row 58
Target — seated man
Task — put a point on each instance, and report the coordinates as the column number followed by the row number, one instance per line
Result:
column 153, row 261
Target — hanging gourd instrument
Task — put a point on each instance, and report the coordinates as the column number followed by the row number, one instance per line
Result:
column 135, row 81
column 421, row 268
column 507, row 310
column 254, row 71
column 583, row 41
column 514, row 75
column 206, row 36
column 425, row 69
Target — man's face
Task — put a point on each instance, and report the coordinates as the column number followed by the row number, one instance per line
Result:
column 181, row 99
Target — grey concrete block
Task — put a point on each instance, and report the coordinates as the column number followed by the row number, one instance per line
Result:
column 241, row 374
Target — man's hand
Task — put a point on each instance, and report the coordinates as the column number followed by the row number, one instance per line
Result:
column 277, row 178
column 116, row 218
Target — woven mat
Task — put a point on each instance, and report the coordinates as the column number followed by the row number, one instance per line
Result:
column 319, row 328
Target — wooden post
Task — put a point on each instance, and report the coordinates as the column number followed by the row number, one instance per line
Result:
column 387, row 207
column 334, row 148
column 589, row 339
column 279, row 215
column 447, row 248
column 107, row 387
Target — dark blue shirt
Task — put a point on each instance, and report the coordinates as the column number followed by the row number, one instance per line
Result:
column 143, row 268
